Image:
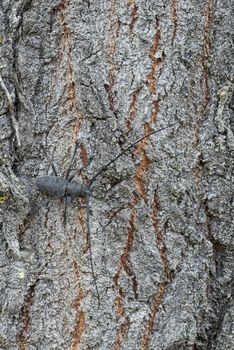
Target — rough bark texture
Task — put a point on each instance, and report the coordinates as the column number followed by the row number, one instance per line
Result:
column 106, row 73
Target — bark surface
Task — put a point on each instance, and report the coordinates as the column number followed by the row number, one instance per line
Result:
column 106, row 73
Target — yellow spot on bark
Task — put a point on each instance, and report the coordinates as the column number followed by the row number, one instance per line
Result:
column 3, row 198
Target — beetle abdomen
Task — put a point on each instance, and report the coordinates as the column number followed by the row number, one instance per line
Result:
column 76, row 189
column 52, row 185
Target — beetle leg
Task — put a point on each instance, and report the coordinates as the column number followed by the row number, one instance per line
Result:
column 67, row 200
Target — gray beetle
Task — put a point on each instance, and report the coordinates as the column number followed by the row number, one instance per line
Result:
column 59, row 187
column 67, row 189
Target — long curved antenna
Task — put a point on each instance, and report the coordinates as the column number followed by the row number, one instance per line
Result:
column 126, row 150
column 90, row 248
column 80, row 170
column 72, row 160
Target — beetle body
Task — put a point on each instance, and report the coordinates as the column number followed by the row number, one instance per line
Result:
column 58, row 187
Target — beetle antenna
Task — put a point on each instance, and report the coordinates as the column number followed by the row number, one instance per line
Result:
column 50, row 161
column 125, row 150
column 72, row 160
column 90, row 249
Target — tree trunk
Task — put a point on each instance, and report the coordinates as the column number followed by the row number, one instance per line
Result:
column 105, row 73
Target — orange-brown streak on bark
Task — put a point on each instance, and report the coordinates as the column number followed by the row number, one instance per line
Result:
column 157, row 300
column 116, row 277
column 124, row 260
column 152, row 75
column 79, row 330
column 139, row 177
column 62, row 6
column 174, row 19
column 121, row 333
column 84, row 155
column 82, row 221
column 144, row 164
column 159, row 238
column 141, row 150
column 125, row 256
column 133, row 109
column 155, row 61
column 154, row 111
column 119, row 303
column 79, row 326
column 26, row 318
column 206, row 51
column 133, row 7
column 76, row 270
column 66, row 51
column 152, row 317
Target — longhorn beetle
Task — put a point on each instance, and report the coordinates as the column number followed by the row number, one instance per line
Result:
column 66, row 188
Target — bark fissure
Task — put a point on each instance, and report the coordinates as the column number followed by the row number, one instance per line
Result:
column 206, row 50
column 166, row 277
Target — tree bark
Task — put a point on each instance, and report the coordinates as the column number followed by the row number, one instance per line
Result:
column 105, row 73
